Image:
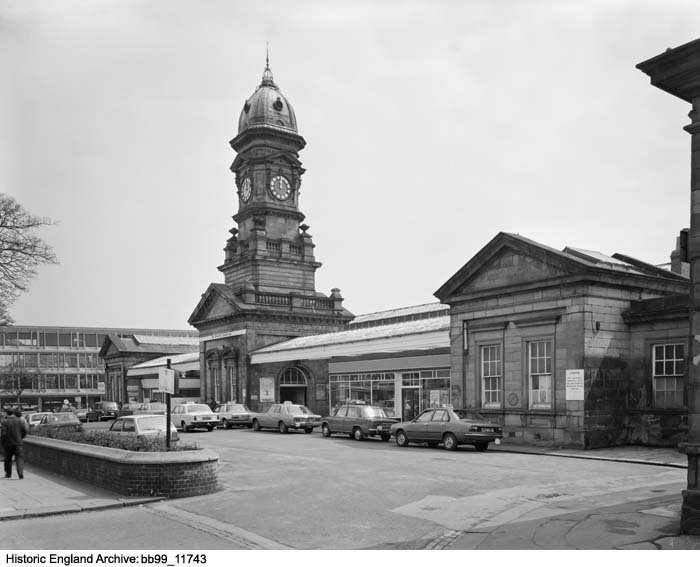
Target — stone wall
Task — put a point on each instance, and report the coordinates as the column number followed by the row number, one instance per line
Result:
column 174, row 474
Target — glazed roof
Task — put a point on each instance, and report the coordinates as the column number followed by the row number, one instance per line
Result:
column 267, row 106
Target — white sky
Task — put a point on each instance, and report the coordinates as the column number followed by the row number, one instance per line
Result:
column 430, row 127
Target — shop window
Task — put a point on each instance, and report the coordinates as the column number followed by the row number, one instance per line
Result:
column 491, row 376
column 540, row 374
column 669, row 369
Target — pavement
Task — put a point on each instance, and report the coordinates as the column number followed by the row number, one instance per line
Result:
column 643, row 524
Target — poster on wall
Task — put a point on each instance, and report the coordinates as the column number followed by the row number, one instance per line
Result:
column 267, row 389
column 575, row 385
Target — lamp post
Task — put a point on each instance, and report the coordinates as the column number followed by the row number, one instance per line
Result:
column 677, row 71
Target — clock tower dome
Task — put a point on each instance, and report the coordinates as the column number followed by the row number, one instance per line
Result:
column 269, row 291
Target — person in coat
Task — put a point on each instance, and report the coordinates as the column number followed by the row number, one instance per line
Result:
column 14, row 430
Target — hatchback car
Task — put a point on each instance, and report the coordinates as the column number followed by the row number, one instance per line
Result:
column 189, row 416
column 286, row 416
column 232, row 414
column 444, row 425
column 359, row 421
column 143, row 426
column 60, row 420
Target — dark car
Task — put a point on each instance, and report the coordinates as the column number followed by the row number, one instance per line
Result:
column 106, row 410
column 359, row 421
column 60, row 420
column 445, row 425
column 128, row 409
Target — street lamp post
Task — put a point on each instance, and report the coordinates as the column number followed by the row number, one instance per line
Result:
column 677, row 71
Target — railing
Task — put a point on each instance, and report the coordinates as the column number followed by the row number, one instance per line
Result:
column 295, row 249
column 273, row 246
column 273, row 299
column 316, row 303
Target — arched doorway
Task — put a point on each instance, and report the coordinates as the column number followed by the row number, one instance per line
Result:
column 293, row 386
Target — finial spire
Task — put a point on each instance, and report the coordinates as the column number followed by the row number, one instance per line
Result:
column 267, row 74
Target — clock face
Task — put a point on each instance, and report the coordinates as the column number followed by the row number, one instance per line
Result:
column 246, row 189
column 280, row 187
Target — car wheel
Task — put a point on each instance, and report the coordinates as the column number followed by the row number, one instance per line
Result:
column 256, row 425
column 386, row 437
column 433, row 444
column 249, row 425
column 449, row 441
column 401, row 438
column 325, row 430
column 309, row 430
column 210, row 427
column 282, row 427
column 358, row 435
column 225, row 424
column 481, row 445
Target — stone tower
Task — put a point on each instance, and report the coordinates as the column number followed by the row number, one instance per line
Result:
column 269, row 268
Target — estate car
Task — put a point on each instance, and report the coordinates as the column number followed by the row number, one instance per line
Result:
column 359, row 421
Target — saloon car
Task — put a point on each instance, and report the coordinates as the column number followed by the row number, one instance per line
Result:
column 60, row 420
column 234, row 414
column 142, row 427
column 191, row 415
column 445, row 425
column 106, row 410
column 286, row 416
column 358, row 421
column 151, row 408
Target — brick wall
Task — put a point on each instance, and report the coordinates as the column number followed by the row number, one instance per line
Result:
column 173, row 475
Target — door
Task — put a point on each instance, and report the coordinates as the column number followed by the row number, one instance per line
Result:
column 410, row 403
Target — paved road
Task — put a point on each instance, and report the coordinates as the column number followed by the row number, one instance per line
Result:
column 308, row 492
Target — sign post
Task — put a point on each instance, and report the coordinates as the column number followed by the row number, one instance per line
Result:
column 166, row 383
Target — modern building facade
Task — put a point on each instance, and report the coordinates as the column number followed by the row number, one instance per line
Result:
column 58, row 363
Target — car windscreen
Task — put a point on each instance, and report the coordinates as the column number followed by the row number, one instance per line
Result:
column 153, row 423
column 374, row 412
column 470, row 415
column 65, row 417
column 298, row 410
column 238, row 408
column 198, row 408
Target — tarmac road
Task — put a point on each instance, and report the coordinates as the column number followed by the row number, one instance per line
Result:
column 308, row 492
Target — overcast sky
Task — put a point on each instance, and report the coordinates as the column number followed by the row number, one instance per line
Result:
column 430, row 127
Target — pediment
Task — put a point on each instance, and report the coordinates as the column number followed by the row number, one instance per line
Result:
column 510, row 260
column 510, row 267
column 217, row 302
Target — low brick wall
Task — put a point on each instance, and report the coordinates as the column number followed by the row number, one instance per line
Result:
column 171, row 474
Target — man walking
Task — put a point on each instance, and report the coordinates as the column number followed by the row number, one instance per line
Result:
column 14, row 430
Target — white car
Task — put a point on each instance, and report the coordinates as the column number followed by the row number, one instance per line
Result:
column 190, row 415
column 142, row 426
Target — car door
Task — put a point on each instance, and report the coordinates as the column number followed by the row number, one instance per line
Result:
column 417, row 429
column 270, row 417
column 435, row 428
column 116, row 427
column 336, row 422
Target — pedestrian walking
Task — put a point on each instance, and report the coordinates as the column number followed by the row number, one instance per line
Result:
column 14, row 430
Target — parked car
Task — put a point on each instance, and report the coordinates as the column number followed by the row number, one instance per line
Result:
column 106, row 410
column 143, row 426
column 192, row 415
column 233, row 413
column 81, row 414
column 128, row 408
column 286, row 416
column 34, row 418
column 153, row 408
column 445, row 425
column 60, row 420
column 359, row 421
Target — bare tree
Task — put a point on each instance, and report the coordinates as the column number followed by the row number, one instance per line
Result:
column 21, row 251
column 14, row 381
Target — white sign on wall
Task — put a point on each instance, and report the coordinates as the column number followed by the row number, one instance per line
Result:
column 267, row 389
column 575, row 390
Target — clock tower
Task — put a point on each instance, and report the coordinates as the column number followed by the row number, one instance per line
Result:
column 269, row 291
